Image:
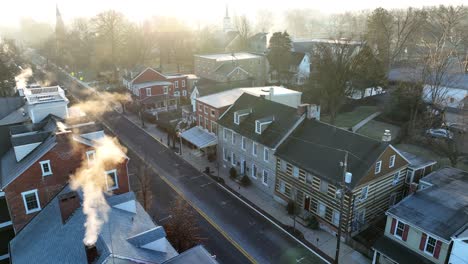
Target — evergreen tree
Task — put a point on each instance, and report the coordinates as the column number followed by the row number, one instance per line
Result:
column 280, row 54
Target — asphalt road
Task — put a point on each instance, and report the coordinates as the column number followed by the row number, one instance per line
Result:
column 241, row 227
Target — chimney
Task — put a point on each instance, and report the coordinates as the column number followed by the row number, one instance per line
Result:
column 91, row 253
column 68, row 203
column 387, row 136
column 413, row 187
column 301, row 109
column 313, row 112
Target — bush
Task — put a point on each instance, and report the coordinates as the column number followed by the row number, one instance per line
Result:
column 290, row 207
column 232, row 173
column 245, row 181
column 312, row 222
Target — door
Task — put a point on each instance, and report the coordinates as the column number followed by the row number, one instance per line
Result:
column 307, row 203
column 242, row 167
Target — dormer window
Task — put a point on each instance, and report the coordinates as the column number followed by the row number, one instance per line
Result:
column 238, row 115
column 261, row 126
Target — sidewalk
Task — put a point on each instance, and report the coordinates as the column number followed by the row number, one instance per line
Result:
column 319, row 238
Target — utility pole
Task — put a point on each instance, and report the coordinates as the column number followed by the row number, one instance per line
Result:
column 343, row 192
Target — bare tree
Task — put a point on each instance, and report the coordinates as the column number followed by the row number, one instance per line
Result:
column 181, row 230
column 264, row 20
column 244, row 31
column 145, row 194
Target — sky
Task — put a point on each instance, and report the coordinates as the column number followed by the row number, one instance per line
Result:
column 189, row 10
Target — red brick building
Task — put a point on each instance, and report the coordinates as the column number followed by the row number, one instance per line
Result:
column 156, row 90
column 39, row 165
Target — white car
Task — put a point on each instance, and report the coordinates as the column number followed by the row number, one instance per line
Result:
column 439, row 133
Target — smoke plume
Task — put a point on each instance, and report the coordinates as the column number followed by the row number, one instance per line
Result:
column 100, row 103
column 23, row 78
column 92, row 179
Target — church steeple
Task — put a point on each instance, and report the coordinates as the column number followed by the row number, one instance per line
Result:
column 227, row 26
column 227, row 11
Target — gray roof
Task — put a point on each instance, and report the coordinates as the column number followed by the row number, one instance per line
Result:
column 451, row 80
column 313, row 147
column 441, row 209
column 9, row 104
column 150, row 84
column 147, row 236
column 398, row 252
column 284, row 119
column 17, row 116
column 194, row 255
column 207, row 87
column 48, row 240
column 417, row 162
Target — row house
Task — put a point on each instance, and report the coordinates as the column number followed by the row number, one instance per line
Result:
column 430, row 225
column 249, row 133
column 156, row 91
column 38, row 164
column 308, row 173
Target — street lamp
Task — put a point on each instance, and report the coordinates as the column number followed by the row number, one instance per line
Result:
column 345, row 181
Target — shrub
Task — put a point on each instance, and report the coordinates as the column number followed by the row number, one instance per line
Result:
column 232, row 173
column 312, row 222
column 245, row 181
column 290, row 207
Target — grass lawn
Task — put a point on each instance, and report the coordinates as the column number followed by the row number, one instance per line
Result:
column 350, row 119
column 375, row 129
column 428, row 154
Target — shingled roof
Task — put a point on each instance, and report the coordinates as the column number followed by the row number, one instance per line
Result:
column 319, row 148
column 284, row 119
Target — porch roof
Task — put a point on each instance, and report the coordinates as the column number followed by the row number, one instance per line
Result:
column 199, row 137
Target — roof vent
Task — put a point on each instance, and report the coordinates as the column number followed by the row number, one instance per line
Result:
column 387, row 136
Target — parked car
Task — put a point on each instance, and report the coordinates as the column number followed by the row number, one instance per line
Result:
column 439, row 133
column 458, row 128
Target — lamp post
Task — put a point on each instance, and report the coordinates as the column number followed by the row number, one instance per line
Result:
column 346, row 179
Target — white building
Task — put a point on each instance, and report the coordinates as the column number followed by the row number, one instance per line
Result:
column 40, row 102
column 459, row 254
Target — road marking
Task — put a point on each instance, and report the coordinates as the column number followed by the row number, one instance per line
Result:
column 194, row 178
column 206, row 184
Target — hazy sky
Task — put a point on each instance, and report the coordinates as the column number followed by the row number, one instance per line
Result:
column 192, row 10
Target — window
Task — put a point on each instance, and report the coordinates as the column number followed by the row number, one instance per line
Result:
column 212, row 112
column 184, row 92
column 111, row 180
column 336, row 218
column 364, row 192
column 378, row 167
column 206, row 123
column 400, row 229
column 265, row 177
column 45, row 167
column 233, row 160
column 361, row 216
column 176, row 84
column 243, row 143
column 214, row 127
column 430, row 245
column 200, row 120
column 233, row 138
column 254, row 171
column 323, row 186
column 296, row 172
column 236, row 118
column 283, row 166
column 31, row 201
column 309, row 178
column 166, row 90
column 199, row 107
column 266, row 155
column 206, row 110
column 396, row 178
column 148, row 91
column 183, row 83
column 176, row 93
column 90, row 155
column 254, row 149
column 282, row 187
column 391, row 163
column 321, row 209
column 225, row 154
column 224, row 134
column 258, row 127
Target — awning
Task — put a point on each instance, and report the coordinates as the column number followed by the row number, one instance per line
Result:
column 199, row 137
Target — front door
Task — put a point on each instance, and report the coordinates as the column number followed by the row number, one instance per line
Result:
column 307, row 203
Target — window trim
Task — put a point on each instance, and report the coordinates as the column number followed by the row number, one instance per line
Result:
column 427, row 242
column 225, row 134
column 148, row 89
column 183, row 83
column 23, row 194
column 267, row 152
column 254, row 147
column 298, row 172
column 116, row 180
column 42, row 167
column 184, row 92
column 233, row 160
column 233, row 138
column 396, row 229
column 176, row 84
column 165, row 89
column 367, row 193
column 379, row 167
column 320, row 186
column 243, row 143
column 333, row 214
column 225, row 154
column 391, row 162
column 324, row 211
column 205, row 109
column 254, row 175
column 263, row 177
column 282, row 183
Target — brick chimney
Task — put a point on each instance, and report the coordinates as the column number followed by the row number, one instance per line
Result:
column 413, row 188
column 91, row 253
column 68, row 203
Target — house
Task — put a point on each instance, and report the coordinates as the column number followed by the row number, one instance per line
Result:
column 421, row 228
column 418, row 168
column 298, row 70
column 156, row 91
column 37, row 165
column 211, row 107
column 308, row 172
column 249, row 133
column 459, row 253
column 232, row 67
column 129, row 235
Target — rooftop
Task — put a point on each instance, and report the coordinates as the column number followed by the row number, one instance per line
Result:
column 230, row 56
column 442, row 208
column 417, row 162
column 44, row 95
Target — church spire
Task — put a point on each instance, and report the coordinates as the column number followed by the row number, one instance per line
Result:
column 227, row 11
